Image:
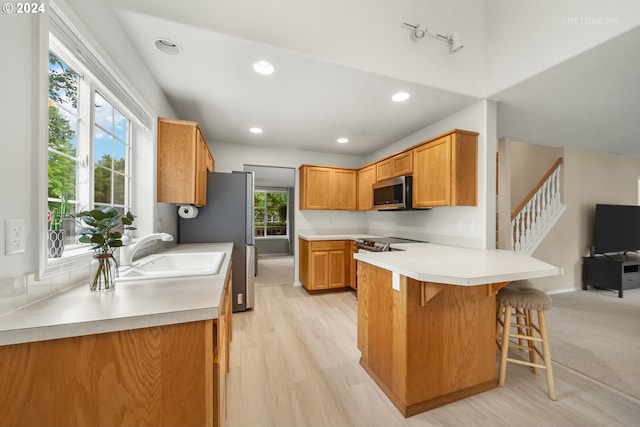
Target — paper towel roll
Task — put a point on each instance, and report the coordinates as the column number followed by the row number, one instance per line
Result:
column 187, row 211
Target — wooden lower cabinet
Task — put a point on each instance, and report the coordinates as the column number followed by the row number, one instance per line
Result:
column 353, row 279
column 426, row 344
column 324, row 265
column 173, row 375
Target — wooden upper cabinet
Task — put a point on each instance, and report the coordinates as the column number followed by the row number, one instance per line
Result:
column 183, row 161
column 403, row 164
column 398, row 165
column 384, row 170
column 327, row 188
column 366, row 179
column 344, row 189
column 445, row 171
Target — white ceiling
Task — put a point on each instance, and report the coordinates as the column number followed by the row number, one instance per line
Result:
column 338, row 64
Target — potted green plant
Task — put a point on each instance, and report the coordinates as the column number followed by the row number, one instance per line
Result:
column 56, row 218
column 103, row 229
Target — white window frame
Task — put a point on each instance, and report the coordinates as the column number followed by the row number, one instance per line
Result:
column 57, row 28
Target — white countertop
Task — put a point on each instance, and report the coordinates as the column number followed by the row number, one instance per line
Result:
column 345, row 236
column 429, row 262
column 131, row 305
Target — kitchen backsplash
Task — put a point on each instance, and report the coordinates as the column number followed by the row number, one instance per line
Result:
column 19, row 291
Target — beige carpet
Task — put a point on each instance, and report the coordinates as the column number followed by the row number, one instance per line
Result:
column 274, row 270
column 598, row 334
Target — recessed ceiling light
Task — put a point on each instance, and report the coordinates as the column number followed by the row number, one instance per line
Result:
column 263, row 67
column 342, row 140
column 168, row 46
column 255, row 130
column 400, row 97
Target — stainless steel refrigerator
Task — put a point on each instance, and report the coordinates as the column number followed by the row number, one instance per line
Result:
column 228, row 217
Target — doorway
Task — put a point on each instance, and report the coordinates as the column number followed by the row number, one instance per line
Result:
column 274, row 202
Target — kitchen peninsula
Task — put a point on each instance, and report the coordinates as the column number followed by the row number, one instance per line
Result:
column 426, row 319
column 150, row 352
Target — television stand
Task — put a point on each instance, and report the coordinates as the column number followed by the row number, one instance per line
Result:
column 620, row 272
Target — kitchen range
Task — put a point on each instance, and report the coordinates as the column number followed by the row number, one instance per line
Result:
column 380, row 244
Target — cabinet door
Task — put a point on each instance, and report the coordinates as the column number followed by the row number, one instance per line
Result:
column 222, row 335
column 432, row 173
column 337, row 269
column 183, row 161
column 384, row 170
column 319, row 270
column 316, row 187
column 352, row 265
column 202, row 160
column 344, row 189
column 176, row 163
column 366, row 179
column 403, row 164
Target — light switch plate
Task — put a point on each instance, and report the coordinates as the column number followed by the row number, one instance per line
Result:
column 13, row 236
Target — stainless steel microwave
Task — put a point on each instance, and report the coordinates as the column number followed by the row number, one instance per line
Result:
column 395, row 193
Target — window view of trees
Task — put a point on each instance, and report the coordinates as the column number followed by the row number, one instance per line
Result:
column 83, row 175
column 110, row 148
column 270, row 208
column 62, row 153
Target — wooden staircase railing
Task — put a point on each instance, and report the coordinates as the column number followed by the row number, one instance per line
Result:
column 537, row 212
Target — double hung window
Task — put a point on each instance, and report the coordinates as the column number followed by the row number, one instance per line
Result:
column 89, row 147
column 270, row 212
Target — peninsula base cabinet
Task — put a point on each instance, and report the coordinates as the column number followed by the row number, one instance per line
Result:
column 173, row 375
column 325, row 265
column 426, row 344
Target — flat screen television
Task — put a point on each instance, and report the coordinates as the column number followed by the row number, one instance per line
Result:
column 617, row 228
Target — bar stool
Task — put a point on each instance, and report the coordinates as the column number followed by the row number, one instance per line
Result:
column 517, row 306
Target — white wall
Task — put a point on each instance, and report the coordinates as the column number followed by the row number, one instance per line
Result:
column 524, row 38
column 465, row 226
column 20, row 192
column 17, row 138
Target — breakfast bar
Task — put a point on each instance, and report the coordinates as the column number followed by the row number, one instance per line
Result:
column 426, row 319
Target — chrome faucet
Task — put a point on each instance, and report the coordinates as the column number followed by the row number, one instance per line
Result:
column 127, row 251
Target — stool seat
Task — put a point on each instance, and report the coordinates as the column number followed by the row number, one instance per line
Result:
column 518, row 306
column 524, row 297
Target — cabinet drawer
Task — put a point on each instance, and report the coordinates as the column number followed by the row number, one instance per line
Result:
column 328, row 245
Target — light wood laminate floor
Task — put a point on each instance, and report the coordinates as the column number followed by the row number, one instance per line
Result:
column 294, row 362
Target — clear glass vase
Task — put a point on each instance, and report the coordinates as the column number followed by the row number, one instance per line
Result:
column 104, row 270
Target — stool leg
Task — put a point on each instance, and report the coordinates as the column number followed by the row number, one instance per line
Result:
column 533, row 355
column 522, row 320
column 504, row 349
column 498, row 319
column 546, row 354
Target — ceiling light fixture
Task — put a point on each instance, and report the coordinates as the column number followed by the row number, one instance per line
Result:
column 342, row 140
column 255, row 130
column 263, row 67
column 400, row 97
column 418, row 33
column 167, row 46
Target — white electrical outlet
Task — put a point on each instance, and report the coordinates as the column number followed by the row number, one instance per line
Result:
column 13, row 236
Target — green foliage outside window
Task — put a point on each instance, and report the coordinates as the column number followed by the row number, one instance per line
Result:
column 270, row 209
